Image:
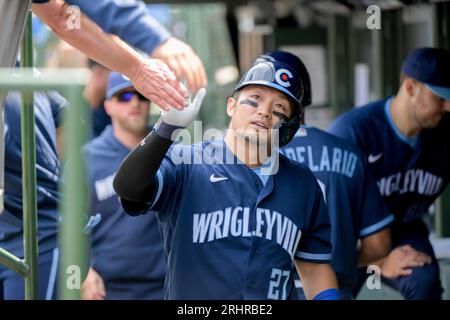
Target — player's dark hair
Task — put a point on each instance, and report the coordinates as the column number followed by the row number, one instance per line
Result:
column 235, row 96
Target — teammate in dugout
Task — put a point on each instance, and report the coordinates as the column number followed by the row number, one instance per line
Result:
column 405, row 138
column 357, row 211
column 233, row 231
column 127, row 252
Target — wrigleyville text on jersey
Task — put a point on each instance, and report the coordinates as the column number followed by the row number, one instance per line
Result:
column 235, row 222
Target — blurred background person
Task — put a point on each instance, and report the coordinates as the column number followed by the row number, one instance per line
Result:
column 127, row 252
column 48, row 112
column 357, row 212
column 405, row 138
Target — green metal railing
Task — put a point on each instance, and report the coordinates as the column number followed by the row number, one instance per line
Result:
column 29, row 172
column 28, row 266
column 73, row 241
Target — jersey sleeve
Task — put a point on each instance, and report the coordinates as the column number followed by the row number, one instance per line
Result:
column 375, row 215
column 315, row 241
column 130, row 20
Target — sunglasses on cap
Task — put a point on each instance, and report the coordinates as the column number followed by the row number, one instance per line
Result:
column 126, row 96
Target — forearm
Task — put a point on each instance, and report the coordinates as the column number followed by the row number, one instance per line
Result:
column 135, row 179
column 366, row 258
column 90, row 39
column 316, row 277
column 374, row 247
column 379, row 262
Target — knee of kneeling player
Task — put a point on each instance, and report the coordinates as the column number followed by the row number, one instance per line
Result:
column 424, row 283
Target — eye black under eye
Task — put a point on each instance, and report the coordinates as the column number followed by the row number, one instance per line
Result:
column 249, row 102
column 280, row 115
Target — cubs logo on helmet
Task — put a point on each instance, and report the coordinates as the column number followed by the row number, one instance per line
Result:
column 282, row 76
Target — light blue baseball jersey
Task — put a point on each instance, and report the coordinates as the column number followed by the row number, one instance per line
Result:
column 354, row 203
column 229, row 236
column 127, row 251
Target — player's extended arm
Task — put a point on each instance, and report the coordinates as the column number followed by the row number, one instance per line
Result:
column 152, row 78
column 132, row 22
column 374, row 247
column 317, row 279
column 135, row 180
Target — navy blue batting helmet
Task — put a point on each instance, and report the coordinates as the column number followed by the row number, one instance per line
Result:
column 285, row 72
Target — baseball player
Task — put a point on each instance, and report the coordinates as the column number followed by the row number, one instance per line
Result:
column 127, row 252
column 48, row 109
column 355, row 206
column 232, row 229
column 405, row 139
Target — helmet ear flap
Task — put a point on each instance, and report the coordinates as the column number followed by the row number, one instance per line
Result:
column 287, row 130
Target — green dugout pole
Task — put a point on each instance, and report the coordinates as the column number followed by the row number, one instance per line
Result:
column 29, row 173
column 73, row 267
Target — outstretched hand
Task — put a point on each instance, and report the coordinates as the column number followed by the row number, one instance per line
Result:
column 182, row 118
column 154, row 80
